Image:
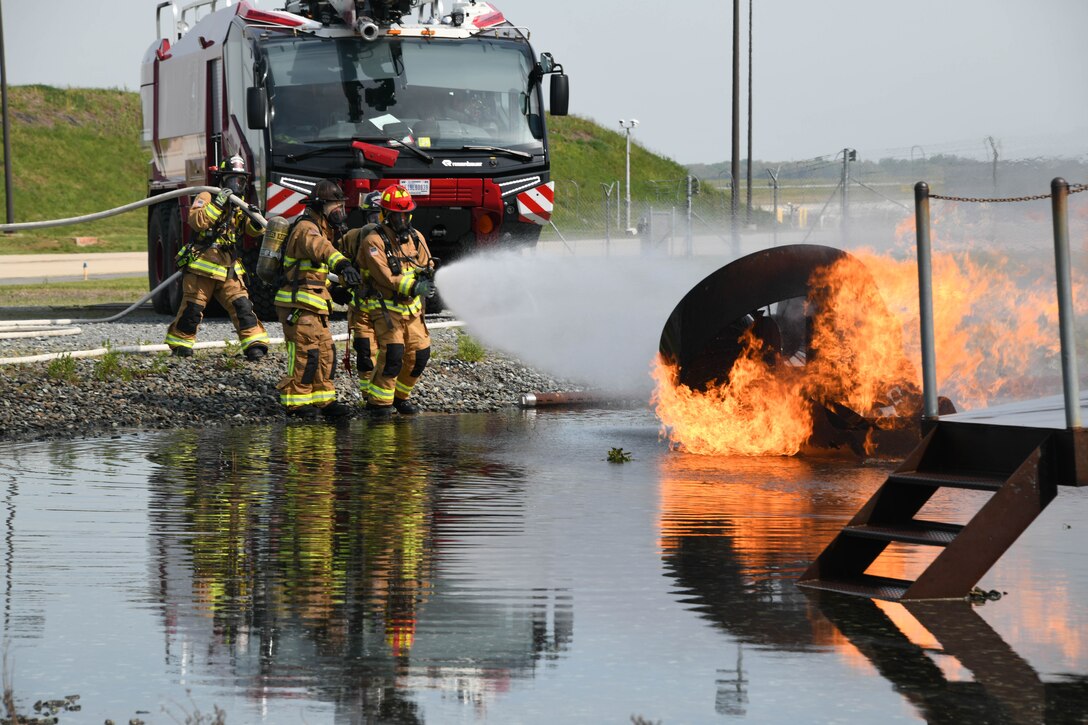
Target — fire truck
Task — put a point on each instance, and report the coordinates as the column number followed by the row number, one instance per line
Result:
column 367, row 93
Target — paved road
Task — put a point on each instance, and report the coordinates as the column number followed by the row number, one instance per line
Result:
column 31, row 268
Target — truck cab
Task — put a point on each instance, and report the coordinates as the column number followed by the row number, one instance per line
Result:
column 451, row 106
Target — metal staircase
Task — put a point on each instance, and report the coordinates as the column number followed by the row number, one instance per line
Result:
column 1019, row 454
column 1014, row 465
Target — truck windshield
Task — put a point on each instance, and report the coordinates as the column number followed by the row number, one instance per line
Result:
column 437, row 94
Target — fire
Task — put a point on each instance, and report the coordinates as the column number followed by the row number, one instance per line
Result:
column 996, row 340
column 755, row 413
column 765, row 406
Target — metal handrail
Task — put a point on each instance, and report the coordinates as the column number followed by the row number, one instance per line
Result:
column 1059, row 197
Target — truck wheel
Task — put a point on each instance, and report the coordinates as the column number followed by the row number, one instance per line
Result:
column 263, row 296
column 163, row 240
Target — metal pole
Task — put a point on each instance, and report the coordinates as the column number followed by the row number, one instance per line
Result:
column 607, row 215
column 8, row 204
column 774, row 197
column 734, row 212
column 1059, row 198
column 628, row 126
column 688, row 238
column 925, row 300
column 845, row 193
column 627, row 187
column 748, row 207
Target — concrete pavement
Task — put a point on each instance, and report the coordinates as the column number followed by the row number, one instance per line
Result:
column 34, row 268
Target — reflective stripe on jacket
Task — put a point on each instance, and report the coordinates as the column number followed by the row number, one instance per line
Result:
column 307, row 258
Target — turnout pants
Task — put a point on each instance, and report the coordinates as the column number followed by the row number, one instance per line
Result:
column 311, row 359
column 198, row 291
column 365, row 344
column 404, row 346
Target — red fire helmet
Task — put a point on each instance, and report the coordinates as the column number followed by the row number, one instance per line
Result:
column 396, row 199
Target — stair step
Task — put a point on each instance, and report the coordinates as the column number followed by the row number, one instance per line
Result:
column 932, row 533
column 865, row 585
column 976, row 481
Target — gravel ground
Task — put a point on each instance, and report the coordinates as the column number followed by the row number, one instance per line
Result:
column 81, row 397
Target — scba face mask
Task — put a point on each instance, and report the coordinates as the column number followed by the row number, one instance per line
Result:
column 337, row 216
column 236, row 184
column 400, row 222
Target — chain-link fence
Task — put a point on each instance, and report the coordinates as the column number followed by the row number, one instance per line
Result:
column 687, row 205
column 661, row 207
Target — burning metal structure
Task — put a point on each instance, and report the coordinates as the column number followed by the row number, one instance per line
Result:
column 786, row 350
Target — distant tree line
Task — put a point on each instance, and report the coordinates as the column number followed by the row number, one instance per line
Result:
column 945, row 173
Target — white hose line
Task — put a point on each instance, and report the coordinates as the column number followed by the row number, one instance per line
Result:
column 143, row 349
column 38, row 332
column 189, row 191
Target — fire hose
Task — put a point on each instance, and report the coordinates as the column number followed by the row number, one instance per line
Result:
column 31, row 328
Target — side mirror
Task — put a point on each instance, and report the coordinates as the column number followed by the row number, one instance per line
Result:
column 547, row 63
column 256, row 107
column 560, row 95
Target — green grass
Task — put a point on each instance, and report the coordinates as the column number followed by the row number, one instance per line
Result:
column 468, row 349
column 74, row 152
column 73, row 294
column 62, row 369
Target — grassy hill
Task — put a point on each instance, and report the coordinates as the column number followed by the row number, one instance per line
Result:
column 77, row 151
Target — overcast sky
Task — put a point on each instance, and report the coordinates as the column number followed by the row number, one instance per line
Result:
column 938, row 76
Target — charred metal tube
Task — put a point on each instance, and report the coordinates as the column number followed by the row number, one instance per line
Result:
column 925, row 300
column 540, row 400
column 1059, row 199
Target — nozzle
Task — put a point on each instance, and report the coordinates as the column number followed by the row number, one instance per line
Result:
column 366, row 28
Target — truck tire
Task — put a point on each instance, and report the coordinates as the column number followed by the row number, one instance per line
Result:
column 262, row 295
column 163, row 241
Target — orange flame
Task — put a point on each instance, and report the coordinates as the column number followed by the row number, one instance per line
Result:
column 755, row 413
column 996, row 337
column 766, row 408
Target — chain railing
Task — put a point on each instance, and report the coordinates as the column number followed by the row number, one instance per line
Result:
column 1073, row 189
column 1059, row 195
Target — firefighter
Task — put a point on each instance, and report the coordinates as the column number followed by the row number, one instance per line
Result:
column 401, row 271
column 360, row 329
column 212, row 268
column 303, row 305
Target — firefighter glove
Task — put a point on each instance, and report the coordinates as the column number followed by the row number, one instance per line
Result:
column 340, row 295
column 349, row 276
column 223, row 198
column 424, row 287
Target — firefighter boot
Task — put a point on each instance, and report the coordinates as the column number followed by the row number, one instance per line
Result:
column 405, row 407
column 255, row 352
column 304, row 412
column 336, row 411
column 181, row 351
column 379, row 412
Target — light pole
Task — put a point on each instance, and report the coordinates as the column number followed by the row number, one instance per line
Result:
column 627, row 126
column 10, row 216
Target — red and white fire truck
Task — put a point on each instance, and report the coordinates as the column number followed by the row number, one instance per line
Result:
column 365, row 92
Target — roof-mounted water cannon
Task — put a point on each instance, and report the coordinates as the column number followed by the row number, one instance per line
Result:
column 366, row 17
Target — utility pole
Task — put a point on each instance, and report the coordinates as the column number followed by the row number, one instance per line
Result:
column 848, row 155
column 690, row 193
column 9, row 206
column 748, row 212
column 993, row 147
column 627, row 126
column 734, row 212
column 774, row 197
